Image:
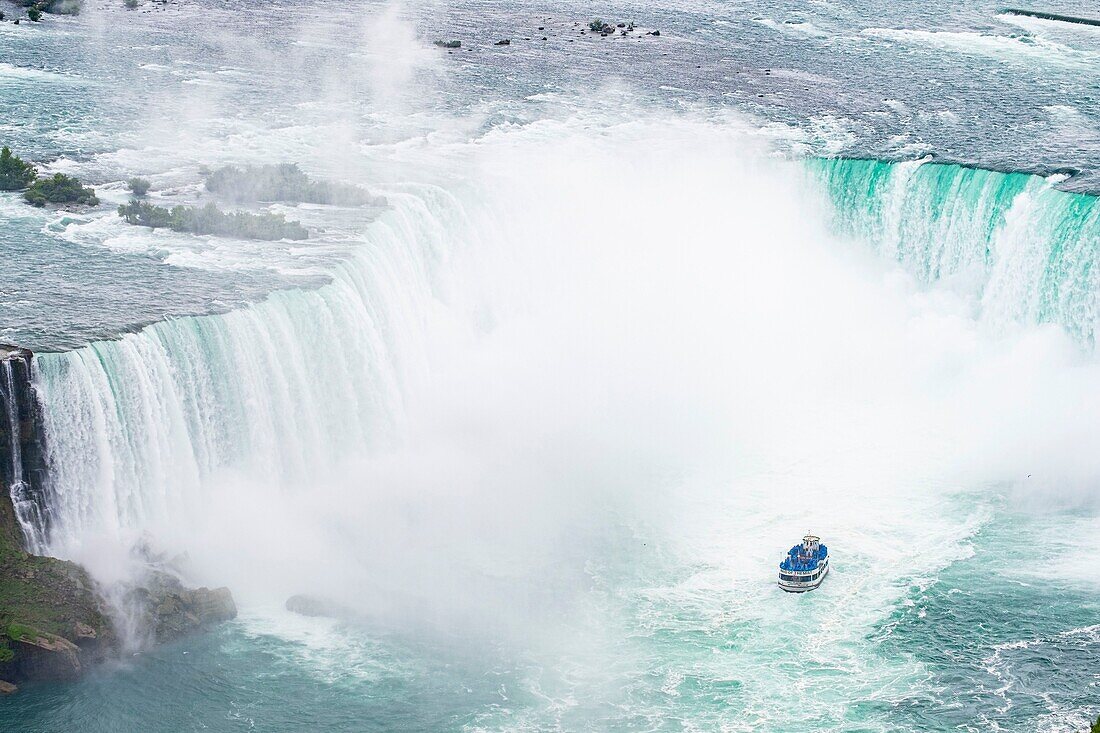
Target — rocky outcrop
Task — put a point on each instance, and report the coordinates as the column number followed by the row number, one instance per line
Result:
column 44, row 656
column 172, row 610
column 54, row 623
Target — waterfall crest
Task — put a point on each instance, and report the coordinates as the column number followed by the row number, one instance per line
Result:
column 136, row 426
column 1030, row 249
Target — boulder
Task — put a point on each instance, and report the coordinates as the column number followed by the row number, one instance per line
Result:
column 306, row 605
column 42, row 656
column 172, row 610
column 6, row 688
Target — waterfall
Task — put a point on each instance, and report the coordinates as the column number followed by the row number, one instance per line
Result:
column 143, row 433
column 136, row 427
column 1030, row 250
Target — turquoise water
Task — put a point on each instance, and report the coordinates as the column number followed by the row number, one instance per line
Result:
column 637, row 315
column 1033, row 247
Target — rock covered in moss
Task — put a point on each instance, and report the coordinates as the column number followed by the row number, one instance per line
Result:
column 172, row 610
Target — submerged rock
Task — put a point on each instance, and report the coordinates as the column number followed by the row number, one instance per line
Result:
column 504, row 42
column 316, row 606
column 449, row 44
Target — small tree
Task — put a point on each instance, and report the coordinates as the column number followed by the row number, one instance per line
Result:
column 139, row 186
column 15, row 175
column 131, row 4
column 34, row 14
column 596, row 25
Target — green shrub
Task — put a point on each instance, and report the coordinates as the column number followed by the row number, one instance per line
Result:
column 34, row 14
column 22, row 632
column 210, row 219
column 56, row 7
column 15, row 175
column 596, row 25
column 145, row 214
column 7, row 654
column 131, row 4
column 139, row 186
column 285, row 182
column 60, row 189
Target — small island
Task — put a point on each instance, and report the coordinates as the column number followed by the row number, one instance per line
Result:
column 58, row 189
column 209, row 219
column 284, row 182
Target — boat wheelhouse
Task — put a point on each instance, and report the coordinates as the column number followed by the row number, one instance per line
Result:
column 805, row 566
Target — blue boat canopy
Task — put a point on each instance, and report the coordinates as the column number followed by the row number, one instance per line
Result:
column 798, row 559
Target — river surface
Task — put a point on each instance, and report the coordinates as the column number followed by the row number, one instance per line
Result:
column 639, row 311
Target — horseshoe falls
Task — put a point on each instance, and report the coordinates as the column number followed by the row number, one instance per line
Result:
column 1031, row 247
column 519, row 444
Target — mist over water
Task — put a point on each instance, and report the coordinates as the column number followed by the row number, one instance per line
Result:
column 541, row 428
column 584, row 388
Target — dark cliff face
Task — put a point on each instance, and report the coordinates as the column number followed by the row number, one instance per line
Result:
column 22, row 451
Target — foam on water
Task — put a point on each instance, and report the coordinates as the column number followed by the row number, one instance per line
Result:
column 1016, row 49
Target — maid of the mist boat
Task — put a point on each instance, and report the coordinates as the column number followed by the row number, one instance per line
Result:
column 805, row 566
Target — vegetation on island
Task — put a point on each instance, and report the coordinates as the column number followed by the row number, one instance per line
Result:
column 35, row 8
column 15, row 175
column 284, row 182
column 59, row 189
column 1095, row 726
column 209, row 219
column 139, row 186
column 18, row 175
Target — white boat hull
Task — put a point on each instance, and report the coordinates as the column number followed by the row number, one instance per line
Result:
column 801, row 586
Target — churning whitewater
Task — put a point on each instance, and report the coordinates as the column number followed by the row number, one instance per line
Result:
column 520, row 449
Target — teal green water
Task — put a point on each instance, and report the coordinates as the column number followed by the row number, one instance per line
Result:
column 1031, row 248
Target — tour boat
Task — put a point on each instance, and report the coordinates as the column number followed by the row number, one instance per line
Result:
column 805, row 566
